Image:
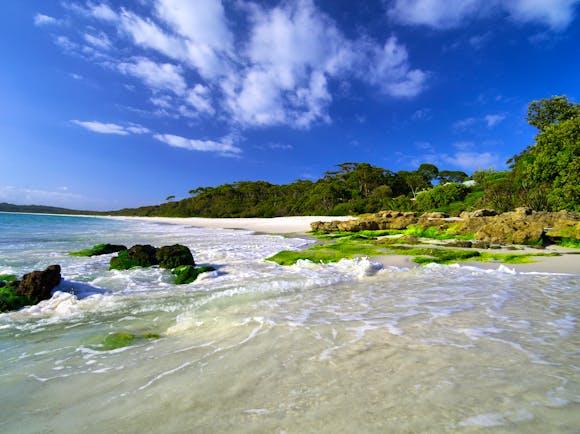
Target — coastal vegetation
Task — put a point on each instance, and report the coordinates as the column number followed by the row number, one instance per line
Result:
column 543, row 177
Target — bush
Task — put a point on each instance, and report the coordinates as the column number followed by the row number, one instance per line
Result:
column 441, row 195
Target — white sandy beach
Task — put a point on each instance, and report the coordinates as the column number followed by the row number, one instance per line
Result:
column 275, row 225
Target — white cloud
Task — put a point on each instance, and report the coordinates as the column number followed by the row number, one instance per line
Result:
column 281, row 69
column 41, row 20
column 98, row 41
column 225, row 147
column 111, row 128
column 445, row 14
column 471, row 161
column 204, row 31
column 103, row 12
column 159, row 76
column 391, row 71
column 200, row 98
column 147, row 34
column 493, row 120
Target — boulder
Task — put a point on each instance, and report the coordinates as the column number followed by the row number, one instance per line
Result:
column 483, row 213
column 188, row 273
column 99, row 249
column 174, row 256
column 140, row 255
column 37, row 285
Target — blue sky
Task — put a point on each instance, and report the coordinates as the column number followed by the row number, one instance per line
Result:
column 121, row 103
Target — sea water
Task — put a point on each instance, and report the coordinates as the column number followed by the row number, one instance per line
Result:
column 257, row 347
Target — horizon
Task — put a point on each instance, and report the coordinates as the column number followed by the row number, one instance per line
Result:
column 120, row 105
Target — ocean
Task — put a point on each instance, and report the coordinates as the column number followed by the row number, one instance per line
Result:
column 259, row 348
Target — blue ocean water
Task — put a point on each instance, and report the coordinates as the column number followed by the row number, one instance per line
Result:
column 256, row 347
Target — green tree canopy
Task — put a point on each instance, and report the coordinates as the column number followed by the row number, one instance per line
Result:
column 545, row 112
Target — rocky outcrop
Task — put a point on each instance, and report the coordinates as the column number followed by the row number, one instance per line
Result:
column 33, row 288
column 174, row 256
column 100, row 249
column 36, row 286
column 522, row 226
column 140, row 255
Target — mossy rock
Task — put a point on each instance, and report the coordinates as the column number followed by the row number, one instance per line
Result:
column 117, row 340
column 188, row 273
column 9, row 299
column 99, row 249
column 137, row 256
column 174, row 256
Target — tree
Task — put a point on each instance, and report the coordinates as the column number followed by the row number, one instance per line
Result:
column 169, row 198
column 552, row 165
column 428, row 171
column 545, row 112
column 446, row 176
column 415, row 181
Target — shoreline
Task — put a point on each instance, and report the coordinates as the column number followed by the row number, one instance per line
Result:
column 567, row 263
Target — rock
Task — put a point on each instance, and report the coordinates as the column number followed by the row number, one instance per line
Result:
column 99, row 249
column 36, row 286
column 459, row 243
column 435, row 215
column 188, row 273
column 174, row 256
column 483, row 213
column 137, row 256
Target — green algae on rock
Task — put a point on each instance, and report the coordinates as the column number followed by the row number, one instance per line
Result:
column 99, row 249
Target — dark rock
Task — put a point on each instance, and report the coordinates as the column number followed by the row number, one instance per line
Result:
column 174, row 256
column 140, row 255
column 100, row 249
column 36, row 286
column 483, row 213
column 188, row 273
column 459, row 243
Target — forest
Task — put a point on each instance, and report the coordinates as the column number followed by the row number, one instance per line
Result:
column 545, row 177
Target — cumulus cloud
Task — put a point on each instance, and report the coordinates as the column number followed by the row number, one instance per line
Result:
column 471, row 161
column 445, row 14
column 159, row 76
column 225, row 146
column 111, row 128
column 282, row 68
column 390, row 70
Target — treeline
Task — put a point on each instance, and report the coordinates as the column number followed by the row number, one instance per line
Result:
column 545, row 176
column 354, row 188
column 39, row 209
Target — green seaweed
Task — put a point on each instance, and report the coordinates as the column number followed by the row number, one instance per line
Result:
column 117, row 340
column 99, row 249
column 9, row 300
column 189, row 273
column 326, row 253
column 569, row 243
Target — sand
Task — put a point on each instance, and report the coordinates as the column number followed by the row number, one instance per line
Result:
column 275, row 225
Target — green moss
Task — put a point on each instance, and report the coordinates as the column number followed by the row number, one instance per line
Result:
column 427, row 255
column 5, row 278
column 9, row 300
column 99, row 249
column 117, row 340
column 325, row 253
column 123, row 262
column 570, row 243
column 189, row 273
